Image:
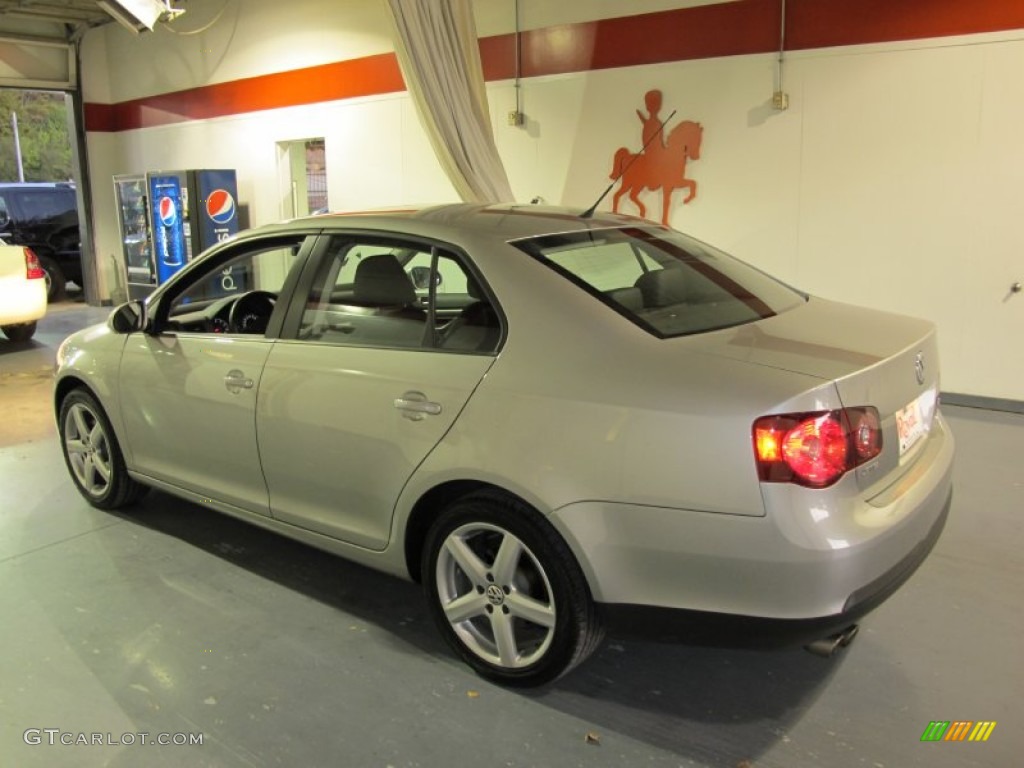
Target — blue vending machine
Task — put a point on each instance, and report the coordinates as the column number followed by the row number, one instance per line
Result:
column 168, row 216
column 190, row 211
column 215, row 218
column 215, row 210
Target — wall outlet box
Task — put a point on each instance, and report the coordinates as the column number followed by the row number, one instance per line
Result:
column 780, row 100
column 516, row 119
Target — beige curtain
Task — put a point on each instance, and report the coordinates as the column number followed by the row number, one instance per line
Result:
column 439, row 55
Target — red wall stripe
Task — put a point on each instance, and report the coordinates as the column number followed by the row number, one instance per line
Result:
column 826, row 23
column 329, row 82
column 725, row 29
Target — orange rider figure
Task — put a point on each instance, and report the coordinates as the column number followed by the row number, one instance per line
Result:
column 655, row 151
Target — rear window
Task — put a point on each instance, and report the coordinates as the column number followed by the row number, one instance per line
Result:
column 665, row 282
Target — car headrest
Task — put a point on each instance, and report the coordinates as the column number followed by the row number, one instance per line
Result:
column 662, row 287
column 630, row 298
column 380, row 279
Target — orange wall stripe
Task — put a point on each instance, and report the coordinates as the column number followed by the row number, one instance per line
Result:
column 329, row 82
column 726, row 29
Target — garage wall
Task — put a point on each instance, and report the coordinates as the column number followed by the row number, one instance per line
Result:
column 892, row 180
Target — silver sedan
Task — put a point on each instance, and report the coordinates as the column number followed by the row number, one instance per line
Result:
column 550, row 420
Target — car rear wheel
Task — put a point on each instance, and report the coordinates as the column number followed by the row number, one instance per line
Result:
column 56, row 282
column 92, row 454
column 20, row 332
column 507, row 593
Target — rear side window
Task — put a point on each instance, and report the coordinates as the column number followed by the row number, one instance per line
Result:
column 39, row 204
column 665, row 282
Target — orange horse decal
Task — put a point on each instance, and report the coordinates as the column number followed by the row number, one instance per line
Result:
column 661, row 164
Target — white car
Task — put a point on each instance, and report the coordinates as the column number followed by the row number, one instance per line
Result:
column 22, row 292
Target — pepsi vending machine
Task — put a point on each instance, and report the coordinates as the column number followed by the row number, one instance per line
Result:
column 215, row 218
column 168, row 213
column 167, row 218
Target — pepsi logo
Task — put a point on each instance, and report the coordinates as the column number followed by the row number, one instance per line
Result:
column 220, row 206
column 168, row 212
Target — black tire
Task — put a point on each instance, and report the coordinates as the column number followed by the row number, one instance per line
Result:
column 56, row 282
column 20, row 332
column 538, row 602
column 92, row 454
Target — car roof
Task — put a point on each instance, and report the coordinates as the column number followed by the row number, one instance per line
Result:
column 37, row 185
column 507, row 221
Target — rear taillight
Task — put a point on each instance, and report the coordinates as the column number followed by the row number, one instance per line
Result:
column 815, row 449
column 33, row 271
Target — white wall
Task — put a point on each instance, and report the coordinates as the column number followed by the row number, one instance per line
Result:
column 893, row 180
column 217, row 41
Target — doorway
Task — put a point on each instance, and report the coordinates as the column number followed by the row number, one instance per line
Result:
column 302, row 168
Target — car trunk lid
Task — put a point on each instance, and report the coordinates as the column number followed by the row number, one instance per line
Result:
column 874, row 358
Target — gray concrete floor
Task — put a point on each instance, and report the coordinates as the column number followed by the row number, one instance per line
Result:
column 176, row 620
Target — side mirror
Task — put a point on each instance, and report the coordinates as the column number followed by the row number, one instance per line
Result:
column 128, row 318
column 421, row 278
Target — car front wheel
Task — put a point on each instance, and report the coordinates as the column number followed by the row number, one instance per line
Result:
column 507, row 593
column 92, row 454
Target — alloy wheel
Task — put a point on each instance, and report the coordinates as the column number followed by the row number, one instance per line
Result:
column 496, row 595
column 88, row 449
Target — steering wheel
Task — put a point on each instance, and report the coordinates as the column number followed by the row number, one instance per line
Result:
column 251, row 312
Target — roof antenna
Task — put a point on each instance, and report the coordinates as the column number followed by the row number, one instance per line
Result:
column 590, row 211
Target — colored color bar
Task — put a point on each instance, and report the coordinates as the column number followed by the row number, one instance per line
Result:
column 982, row 730
column 935, row 731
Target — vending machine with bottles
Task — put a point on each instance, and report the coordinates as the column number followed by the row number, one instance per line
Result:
column 166, row 218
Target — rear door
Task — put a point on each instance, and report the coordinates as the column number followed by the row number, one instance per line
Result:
column 367, row 384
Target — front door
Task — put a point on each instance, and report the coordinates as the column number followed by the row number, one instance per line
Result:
column 188, row 393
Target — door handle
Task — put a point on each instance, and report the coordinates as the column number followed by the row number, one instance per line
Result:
column 415, row 406
column 236, row 381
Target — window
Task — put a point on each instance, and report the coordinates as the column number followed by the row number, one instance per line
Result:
column 238, row 295
column 385, row 293
column 42, row 204
column 665, row 282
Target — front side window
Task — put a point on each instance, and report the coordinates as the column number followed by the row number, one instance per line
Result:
column 665, row 282
column 379, row 292
column 237, row 296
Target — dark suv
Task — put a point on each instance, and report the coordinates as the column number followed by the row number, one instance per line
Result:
column 45, row 218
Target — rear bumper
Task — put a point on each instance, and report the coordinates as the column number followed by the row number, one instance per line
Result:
column 813, row 563
column 21, row 300
column 730, row 630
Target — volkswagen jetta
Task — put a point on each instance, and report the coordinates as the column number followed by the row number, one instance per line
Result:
column 545, row 418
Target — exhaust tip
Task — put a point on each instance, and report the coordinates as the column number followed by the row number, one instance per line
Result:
column 826, row 647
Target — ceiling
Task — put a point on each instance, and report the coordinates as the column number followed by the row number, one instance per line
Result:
column 50, row 19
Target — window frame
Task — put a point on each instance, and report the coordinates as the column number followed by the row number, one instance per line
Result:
column 292, row 321
column 214, row 261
